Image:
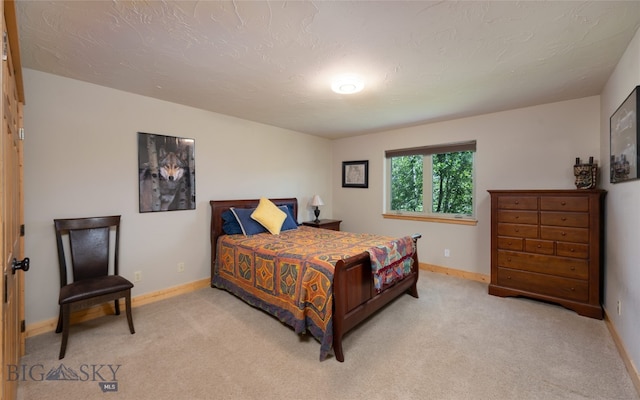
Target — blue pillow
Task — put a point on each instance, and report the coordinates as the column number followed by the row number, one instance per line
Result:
column 248, row 225
column 289, row 223
column 230, row 224
column 290, row 208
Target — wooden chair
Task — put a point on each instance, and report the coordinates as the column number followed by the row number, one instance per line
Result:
column 91, row 283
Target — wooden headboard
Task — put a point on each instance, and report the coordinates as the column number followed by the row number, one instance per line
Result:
column 220, row 206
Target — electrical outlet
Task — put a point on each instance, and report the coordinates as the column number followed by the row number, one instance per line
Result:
column 180, row 267
column 619, row 307
column 137, row 276
column 447, row 253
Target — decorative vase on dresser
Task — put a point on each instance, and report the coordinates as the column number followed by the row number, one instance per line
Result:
column 548, row 245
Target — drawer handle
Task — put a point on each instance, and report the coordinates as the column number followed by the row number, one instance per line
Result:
column 563, row 218
column 539, row 246
column 573, row 268
column 572, row 250
column 564, row 203
column 517, row 216
column 509, row 243
column 517, row 230
column 508, row 258
column 517, row 202
column 573, row 289
column 508, row 276
column 563, row 233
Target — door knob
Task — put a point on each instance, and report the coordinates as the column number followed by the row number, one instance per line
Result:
column 23, row 265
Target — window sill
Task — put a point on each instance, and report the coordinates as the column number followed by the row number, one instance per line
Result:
column 441, row 220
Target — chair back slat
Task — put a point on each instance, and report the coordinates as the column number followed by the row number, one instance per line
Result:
column 89, row 253
column 88, row 240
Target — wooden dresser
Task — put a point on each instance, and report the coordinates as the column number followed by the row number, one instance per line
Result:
column 547, row 245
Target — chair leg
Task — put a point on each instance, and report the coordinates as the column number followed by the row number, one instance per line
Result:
column 65, row 311
column 117, row 305
column 127, row 301
column 59, row 327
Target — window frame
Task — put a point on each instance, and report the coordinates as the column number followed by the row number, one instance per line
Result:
column 427, row 185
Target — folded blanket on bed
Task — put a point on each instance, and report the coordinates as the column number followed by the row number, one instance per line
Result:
column 391, row 261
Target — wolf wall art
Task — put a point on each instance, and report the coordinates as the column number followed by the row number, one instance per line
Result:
column 166, row 172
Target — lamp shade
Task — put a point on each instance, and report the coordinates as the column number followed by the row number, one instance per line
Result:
column 316, row 201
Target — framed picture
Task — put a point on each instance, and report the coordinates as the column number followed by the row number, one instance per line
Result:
column 624, row 139
column 166, row 173
column 355, row 174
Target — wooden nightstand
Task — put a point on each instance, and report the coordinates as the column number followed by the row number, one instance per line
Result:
column 332, row 224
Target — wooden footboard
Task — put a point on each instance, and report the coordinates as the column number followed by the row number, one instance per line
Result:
column 354, row 295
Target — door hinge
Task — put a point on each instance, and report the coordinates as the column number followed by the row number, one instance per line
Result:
column 4, row 46
column 23, row 326
column 21, row 133
column 22, row 230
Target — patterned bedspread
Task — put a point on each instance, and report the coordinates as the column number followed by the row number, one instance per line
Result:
column 290, row 275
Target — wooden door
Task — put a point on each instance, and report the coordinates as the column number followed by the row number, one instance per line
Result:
column 11, row 207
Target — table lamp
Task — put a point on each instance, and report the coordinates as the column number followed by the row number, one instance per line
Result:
column 315, row 202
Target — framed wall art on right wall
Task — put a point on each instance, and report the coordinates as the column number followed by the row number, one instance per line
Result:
column 625, row 134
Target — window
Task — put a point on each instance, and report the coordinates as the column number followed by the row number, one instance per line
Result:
column 433, row 181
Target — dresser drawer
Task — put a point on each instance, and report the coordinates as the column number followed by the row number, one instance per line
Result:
column 576, row 235
column 540, row 246
column 510, row 243
column 518, row 217
column 574, row 219
column 570, row 289
column 568, row 203
column 518, row 202
column 551, row 265
column 577, row 250
column 516, row 230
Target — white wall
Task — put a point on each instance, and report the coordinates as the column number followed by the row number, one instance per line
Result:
column 81, row 160
column 622, row 271
column 528, row 148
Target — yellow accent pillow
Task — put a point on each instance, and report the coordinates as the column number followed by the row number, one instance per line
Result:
column 269, row 216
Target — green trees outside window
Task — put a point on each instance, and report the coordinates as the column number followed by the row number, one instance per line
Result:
column 449, row 189
column 406, row 183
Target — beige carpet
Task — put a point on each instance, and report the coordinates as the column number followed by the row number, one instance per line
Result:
column 454, row 342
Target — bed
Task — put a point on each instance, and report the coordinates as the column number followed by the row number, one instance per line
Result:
column 326, row 292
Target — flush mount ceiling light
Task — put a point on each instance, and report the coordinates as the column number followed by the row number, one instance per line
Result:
column 347, row 84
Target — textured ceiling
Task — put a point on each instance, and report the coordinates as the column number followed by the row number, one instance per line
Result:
column 272, row 61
